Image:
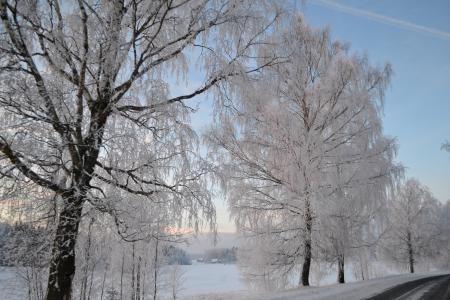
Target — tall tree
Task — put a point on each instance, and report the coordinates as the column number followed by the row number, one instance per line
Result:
column 353, row 215
column 282, row 137
column 87, row 114
column 414, row 217
column 361, row 175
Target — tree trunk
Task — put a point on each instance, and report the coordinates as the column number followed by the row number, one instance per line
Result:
column 155, row 274
column 138, row 280
column 133, row 295
column 84, row 280
column 121, row 275
column 410, row 253
column 307, row 244
column 341, row 274
column 144, row 280
column 103, row 282
column 62, row 264
column 91, row 281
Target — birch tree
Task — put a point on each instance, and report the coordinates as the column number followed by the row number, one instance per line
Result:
column 415, row 229
column 282, row 135
column 364, row 176
column 86, row 110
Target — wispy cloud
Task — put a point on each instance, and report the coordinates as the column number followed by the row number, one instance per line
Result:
column 383, row 19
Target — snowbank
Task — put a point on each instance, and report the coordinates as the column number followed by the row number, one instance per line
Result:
column 349, row 291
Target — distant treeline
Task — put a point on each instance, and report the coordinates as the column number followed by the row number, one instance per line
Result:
column 176, row 256
column 22, row 244
column 221, row 255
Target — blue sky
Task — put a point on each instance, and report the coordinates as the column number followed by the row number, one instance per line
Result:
column 414, row 36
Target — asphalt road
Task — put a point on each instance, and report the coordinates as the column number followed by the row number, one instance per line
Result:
column 428, row 288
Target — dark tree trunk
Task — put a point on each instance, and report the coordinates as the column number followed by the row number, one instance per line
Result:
column 341, row 274
column 410, row 253
column 307, row 245
column 133, row 295
column 62, row 264
column 138, row 280
column 84, row 281
column 306, row 263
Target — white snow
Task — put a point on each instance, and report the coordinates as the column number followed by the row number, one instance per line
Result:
column 196, row 279
column 211, row 278
column 12, row 286
column 221, row 282
column 349, row 291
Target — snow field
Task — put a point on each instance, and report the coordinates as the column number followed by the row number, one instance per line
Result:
column 221, row 282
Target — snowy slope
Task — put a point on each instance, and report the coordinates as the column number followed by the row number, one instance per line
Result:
column 349, row 291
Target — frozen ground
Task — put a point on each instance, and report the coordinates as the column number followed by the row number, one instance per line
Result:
column 12, row 286
column 220, row 282
column 211, row 278
column 196, row 279
column 349, row 291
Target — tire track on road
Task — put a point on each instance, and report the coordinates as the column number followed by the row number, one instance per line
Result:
column 428, row 288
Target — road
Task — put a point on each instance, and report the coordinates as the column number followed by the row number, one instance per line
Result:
column 428, row 288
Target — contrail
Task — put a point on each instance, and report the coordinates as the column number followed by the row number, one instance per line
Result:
column 383, row 19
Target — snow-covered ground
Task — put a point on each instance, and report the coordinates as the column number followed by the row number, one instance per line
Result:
column 12, row 286
column 196, row 279
column 220, row 282
column 350, row 291
column 211, row 278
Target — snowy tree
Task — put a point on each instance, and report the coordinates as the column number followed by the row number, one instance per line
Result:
column 106, row 264
column 26, row 245
column 259, row 260
column 284, row 135
column 86, row 110
column 355, row 205
column 414, row 218
column 176, row 278
column 444, row 259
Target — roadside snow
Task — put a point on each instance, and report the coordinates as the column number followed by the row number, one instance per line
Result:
column 350, row 291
